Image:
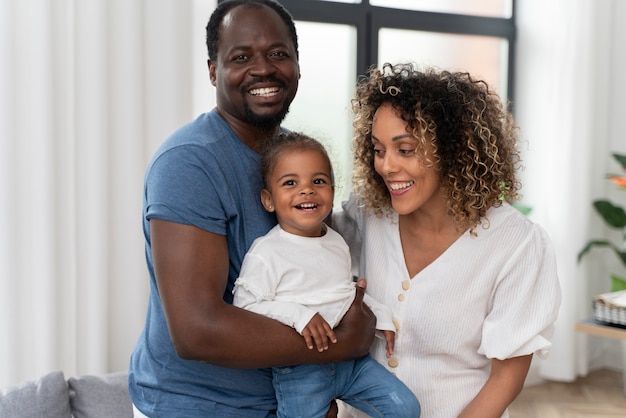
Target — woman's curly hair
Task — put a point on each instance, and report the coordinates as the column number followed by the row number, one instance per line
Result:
column 473, row 138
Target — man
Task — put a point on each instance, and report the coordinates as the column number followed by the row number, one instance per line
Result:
column 198, row 355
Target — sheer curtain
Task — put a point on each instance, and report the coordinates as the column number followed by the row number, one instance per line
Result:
column 567, row 88
column 89, row 90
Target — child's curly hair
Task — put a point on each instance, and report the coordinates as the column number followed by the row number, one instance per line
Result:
column 473, row 138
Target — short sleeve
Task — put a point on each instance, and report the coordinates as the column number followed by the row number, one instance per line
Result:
column 180, row 188
column 526, row 301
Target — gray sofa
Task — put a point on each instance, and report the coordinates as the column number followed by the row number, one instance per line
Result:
column 52, row 396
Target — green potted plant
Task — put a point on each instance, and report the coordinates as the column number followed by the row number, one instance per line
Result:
column 615, row 217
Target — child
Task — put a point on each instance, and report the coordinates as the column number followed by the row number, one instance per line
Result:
column 300, row 274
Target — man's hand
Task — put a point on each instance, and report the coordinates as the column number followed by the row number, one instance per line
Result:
column 318, row 331
column 333, row 411
column 358, row 324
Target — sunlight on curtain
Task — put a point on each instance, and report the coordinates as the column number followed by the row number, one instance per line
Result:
column 28, row 219
column 89, row 90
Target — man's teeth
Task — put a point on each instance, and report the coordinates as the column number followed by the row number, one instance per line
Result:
column 266, row 91
column 400, row 186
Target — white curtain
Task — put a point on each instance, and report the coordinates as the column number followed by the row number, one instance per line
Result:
column 567, row 92
column 89, row 88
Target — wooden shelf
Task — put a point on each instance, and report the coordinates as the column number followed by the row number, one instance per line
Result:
column 597, row 328
column 593, row 327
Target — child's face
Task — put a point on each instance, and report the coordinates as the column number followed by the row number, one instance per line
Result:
column 300, row 191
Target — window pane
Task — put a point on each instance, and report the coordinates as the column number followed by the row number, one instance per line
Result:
column 494, row 8
column 482, row 56
column 321, row 108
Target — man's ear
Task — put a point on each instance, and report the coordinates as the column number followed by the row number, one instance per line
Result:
column 266, row 199
column 211, row 66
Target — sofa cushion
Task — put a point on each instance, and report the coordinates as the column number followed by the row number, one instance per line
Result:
column 47, row 396
column 100, row 396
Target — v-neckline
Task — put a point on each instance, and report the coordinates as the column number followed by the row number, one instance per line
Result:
column 403, row 258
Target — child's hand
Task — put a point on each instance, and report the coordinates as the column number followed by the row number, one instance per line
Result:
column 390, row 337
column 319, row 331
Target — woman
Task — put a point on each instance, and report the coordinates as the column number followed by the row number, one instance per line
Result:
column 472, row 282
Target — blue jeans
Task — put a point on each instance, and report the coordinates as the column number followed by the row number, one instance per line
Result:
column 307, row 390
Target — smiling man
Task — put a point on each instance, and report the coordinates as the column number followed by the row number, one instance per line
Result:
column 198, row 355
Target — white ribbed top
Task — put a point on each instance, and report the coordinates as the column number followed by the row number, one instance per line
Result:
column 496, row 295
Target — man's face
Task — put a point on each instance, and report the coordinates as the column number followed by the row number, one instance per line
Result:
column 256, row 73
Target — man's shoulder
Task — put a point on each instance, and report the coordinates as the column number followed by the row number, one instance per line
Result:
column 206, row 138
column 205, row 129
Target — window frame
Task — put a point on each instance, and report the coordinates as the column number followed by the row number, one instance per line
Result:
column 369, row 19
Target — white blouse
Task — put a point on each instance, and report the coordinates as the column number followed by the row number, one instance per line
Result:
column 492, row 296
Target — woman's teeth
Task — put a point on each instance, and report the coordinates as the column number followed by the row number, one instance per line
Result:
column 400, row 186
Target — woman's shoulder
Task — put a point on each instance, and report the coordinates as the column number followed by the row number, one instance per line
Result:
column 356, row 210
column 506, row 220
column 507, row 215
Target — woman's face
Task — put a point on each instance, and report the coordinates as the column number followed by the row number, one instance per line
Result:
column 412, row 183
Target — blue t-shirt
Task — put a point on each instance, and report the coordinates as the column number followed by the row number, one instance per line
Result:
column 202, row 175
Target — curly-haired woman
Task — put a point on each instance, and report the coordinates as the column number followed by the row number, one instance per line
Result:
column 471, row 281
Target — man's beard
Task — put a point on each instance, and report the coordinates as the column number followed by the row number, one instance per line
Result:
column 265, row 121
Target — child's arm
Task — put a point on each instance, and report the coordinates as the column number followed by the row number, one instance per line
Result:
column 256, row 299
column 307, row 322
column 384, row 322
column 390, row 337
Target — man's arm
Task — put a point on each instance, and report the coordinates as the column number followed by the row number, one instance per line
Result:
column 191, row 268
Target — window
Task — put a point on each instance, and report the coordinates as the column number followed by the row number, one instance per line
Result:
column 494, row 8
column 483, row 56
column 339, row 40
column 464, row 26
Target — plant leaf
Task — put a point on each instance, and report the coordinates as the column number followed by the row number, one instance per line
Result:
column 603, row 243
column 525, row 210
column 621, row 159
column 612, row 215
column 590, row 245
column 617, row 283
